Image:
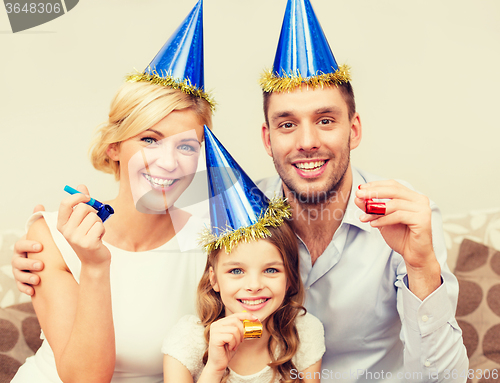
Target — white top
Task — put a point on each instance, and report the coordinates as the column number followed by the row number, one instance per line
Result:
column 186, row 343
column 150, row 291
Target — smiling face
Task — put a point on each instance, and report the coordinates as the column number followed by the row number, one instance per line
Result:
column 160, row 163
column 310, row 136
column 252, row 278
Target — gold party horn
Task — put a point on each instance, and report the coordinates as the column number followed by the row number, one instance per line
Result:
column 251, row 329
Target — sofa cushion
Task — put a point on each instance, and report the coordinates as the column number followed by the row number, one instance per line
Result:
column 19, row 338
column 478, row 309
column 481, row 226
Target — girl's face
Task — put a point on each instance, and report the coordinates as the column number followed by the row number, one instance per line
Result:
column 252, row 278
column 160, row 163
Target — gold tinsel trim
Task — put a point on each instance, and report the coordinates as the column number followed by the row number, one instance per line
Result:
column 171, row 82
column 274, row 216
column 271, row 83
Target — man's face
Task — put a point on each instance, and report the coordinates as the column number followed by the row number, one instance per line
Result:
column 310, row 137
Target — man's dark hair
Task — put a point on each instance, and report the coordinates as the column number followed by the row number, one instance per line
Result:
column 345, row 90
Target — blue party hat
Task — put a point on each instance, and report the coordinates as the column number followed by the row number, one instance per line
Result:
column 303, row 55
column 179, row 63
column 239, row 211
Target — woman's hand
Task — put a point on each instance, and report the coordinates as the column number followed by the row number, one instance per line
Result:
column 83, row 229
column 226, row 334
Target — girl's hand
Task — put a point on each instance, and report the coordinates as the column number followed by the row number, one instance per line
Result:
column 83, row 229
column 225, row 336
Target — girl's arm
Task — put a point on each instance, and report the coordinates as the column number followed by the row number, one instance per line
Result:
column 312, row 374
column 174, row 371
column 225, row 336
column 76, row 318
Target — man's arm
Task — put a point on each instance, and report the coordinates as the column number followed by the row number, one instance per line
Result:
column 433, row 340
column 427, row 290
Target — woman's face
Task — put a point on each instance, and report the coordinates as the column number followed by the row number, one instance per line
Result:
column 160, row 163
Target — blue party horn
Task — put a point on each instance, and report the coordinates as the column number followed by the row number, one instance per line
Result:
column 103, row 210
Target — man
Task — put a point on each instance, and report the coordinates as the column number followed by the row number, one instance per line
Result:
column 369, row 287
column 379, row 283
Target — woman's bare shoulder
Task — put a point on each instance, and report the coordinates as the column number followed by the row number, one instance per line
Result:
column 50, row 255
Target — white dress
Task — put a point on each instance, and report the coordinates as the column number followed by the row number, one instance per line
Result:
column 186, row 343
column 150, row 291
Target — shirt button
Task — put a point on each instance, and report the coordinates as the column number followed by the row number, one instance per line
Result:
column 425, row 318
column 427, row 363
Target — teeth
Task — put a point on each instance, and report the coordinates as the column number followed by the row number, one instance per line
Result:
column 158, row 181
column 309, row 165
column 254, row 301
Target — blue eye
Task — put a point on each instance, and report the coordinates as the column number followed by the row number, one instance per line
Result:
column 236, row 271
column 187, row 148
column 271, row 270
column 325, row 121
column 149, row 140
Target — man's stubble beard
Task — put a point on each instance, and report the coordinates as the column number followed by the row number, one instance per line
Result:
column 312, row 198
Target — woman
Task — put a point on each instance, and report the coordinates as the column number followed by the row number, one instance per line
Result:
column 80, row 321
column 106, row 298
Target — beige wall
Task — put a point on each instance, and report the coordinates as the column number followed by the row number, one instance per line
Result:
column 426, row 77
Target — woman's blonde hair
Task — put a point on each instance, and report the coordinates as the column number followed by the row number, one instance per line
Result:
column 284, row 339
column 135, row 108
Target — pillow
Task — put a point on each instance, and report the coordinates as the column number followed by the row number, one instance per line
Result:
column 478, row 309
column 481, row 226
column 19, row 338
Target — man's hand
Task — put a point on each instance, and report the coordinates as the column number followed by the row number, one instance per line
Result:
column 406, row 227
column 22, row 265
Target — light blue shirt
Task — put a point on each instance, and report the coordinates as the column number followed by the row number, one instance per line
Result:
column 376, row 329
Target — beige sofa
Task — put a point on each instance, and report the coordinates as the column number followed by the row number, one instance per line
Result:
column 471, row 240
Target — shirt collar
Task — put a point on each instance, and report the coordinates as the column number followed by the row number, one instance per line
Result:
column 274, row 186
column 352, row 212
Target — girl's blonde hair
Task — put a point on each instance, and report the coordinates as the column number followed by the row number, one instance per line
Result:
column 135, row 108
column 281, row 324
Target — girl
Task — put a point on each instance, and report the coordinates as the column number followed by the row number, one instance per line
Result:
column 252, row 273
column 262, row 278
